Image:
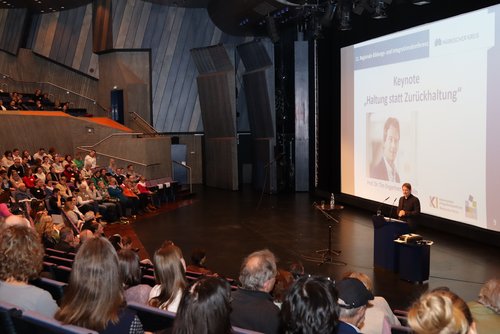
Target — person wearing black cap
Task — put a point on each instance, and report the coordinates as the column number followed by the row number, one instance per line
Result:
column 353, row 299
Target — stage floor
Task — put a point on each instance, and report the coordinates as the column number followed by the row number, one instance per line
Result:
column 229, row 225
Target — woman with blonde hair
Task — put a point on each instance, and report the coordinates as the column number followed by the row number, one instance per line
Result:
column 170, row 278
column 441, row 312
column 486, row 310
column 94, row 297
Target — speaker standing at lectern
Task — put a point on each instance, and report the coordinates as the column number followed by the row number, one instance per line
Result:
column 409, row 207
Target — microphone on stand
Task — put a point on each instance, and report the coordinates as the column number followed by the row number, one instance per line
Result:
column 392, row 206
column 380, row 206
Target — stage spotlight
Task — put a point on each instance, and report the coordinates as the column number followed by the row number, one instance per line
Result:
column 272, row 30
column 327, row 18
column 379, row 10
column 344, row 17
column 421, row 2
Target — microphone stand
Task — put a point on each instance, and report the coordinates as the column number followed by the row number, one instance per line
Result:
column 392, row 207
column 326, row 254
column 379, row 209
column 266, row 172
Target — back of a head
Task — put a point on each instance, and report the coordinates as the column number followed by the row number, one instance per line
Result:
column 489, row 295
column 204, row 308
column 197, row 256
column 311, row 306
column 94, row 295
column 85, row 235
column 440, row 312
column 65, row 232
column 21, row 253
column 257, row 268
column 169, row 273
column 130, row 269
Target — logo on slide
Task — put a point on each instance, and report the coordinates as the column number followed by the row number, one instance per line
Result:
column 434, row 202
column 471, row 208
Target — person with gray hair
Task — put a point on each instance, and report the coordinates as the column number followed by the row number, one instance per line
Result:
column 486, row 310
column 252, row 305
column 353, row 301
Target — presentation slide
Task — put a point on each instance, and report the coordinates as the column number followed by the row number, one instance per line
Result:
column 423, row 106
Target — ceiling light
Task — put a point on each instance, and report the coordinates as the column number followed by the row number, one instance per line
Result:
column 421, row 2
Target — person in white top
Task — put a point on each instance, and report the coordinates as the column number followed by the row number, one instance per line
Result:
column 170, row 276
column 377, row 309
column 90, row 159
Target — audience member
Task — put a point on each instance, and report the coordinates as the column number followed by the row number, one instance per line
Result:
column 47, row 231
column 7, row 159
column 93, row 299
column 84, row 200
column 198, row 258
column 111, row 210
column 64, row 188
column 40, row 174
column 29, row 178
column 67, row 241
column 78, row 161
column 74, row 218
column 353, row 301
column 130, row 271
column 17, row 166
column 56, row 202
column 486, row 310
column 170, row 278
column 26, row 155
column 40, row 154
column 8, row 219
column 15, row 179
column 85, row 235
column 21, row 256
column 38, row 191
column 204, row 308
column 311, row 307
column 22, row 193
column 441, row 312
column 252, row 305
column 376, row 310
column 90, row 159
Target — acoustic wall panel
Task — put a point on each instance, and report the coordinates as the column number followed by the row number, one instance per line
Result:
column 12, row 26
column 168, row 32
column 217, row 104
column 221, row 166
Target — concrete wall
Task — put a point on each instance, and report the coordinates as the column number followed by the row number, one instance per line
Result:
column 66, row 133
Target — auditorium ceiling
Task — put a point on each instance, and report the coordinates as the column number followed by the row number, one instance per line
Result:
column 43, row 6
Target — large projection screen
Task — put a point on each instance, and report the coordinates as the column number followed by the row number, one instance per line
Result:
column 423, row 106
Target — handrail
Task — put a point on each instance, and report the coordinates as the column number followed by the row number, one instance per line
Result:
column 143, row 123
column 94, row 101
column 189, row 172
column 88, row 148
column 116, row 134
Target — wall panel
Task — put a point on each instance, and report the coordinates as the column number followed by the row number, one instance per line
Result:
column 168, row 32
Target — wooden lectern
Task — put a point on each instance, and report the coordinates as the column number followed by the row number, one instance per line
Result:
column 386, row 230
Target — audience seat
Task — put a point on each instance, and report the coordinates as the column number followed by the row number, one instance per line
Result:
column 55, row 288
column 60, row 261
column 14, row 320
column 55, row 252
column 387, row 328
column 152, row 318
